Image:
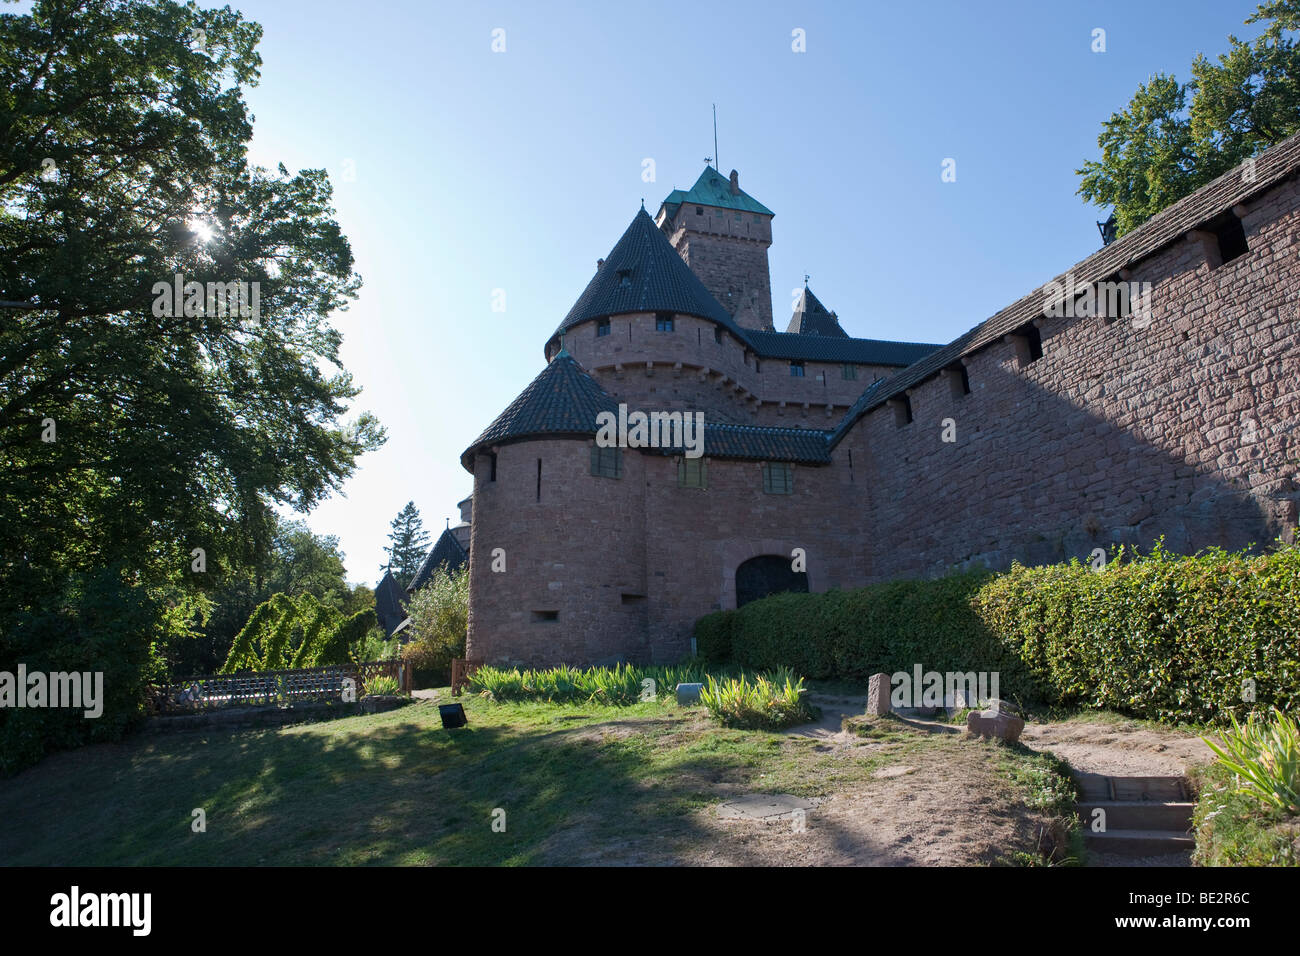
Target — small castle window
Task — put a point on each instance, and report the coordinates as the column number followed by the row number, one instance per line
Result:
column 606, row 462
column 959, row 381
column 850, row 372
column 602, row 328
column 902, row 410
column 778, row 478
column 492, row 467
column 699, row 210
column 691, row 473
column 1028, row 342
column 717, row 334
column 796, row 369
column 540, row 617
column 1231, row 238
column 663, row 321
column 757, row 365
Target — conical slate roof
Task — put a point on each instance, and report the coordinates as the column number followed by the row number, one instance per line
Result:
column 812, row 318
column 562, row 400
column 446, row 551
column 390, row 604
column 644, row 273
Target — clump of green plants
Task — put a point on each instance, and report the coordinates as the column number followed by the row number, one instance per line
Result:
column 1264, row 755
column 619, row 685
column 1248, row 813
column 757, row 701
column 382, row 685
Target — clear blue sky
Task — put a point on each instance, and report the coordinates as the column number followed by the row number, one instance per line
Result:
column 476, row 170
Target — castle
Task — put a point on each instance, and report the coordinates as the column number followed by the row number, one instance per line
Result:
column 1072, row 420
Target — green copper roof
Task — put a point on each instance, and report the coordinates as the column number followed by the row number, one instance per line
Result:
column 714, row 189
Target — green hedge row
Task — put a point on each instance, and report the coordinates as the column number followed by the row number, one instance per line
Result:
column 1158, row 636
column 1163, row 636
column 853, row 634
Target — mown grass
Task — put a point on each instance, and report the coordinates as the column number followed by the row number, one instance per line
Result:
column 584, row 783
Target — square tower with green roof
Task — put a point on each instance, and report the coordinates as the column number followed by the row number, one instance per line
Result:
column 723, row 234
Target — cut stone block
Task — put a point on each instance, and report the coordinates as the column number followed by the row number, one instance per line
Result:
column 995, row 723
column 878, row 695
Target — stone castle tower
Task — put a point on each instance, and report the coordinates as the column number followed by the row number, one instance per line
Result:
column 1039, row 435
column 723, row 233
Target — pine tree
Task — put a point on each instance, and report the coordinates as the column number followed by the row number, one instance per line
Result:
column 408, row 544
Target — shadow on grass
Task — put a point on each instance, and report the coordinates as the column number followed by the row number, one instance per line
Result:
column 385, row 789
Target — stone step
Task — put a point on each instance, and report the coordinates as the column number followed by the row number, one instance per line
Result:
column 1130, row 815
column 1139, row 842
column 1095, row 786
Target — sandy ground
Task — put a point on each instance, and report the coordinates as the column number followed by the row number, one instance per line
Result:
column 1119, row 749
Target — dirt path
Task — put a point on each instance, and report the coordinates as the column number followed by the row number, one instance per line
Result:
column 1118, row 749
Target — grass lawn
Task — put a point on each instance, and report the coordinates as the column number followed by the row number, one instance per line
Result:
column 578, row 784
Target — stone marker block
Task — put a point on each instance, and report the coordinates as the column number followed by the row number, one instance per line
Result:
column 878, row 695
column 995, row 723
column 689, row 693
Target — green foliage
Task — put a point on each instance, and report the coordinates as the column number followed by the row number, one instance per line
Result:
column 338, row 646
column 1265, row 757
column 622, row 684
column 174, row 432
column 439, row 614
column 1160, row 149
column 382, row 685
column 97, row 624
column 713, row 637
column 288, row 614
column 374, row 645
column 758, row 702
column 1158, row 636
column 1236, row 829
column 850, row 635
column 317, row 634
column 408, row 543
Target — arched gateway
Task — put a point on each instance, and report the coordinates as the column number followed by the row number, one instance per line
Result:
column 767, row 574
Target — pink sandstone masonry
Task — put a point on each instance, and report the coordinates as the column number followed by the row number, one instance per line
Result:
column 1186, row 429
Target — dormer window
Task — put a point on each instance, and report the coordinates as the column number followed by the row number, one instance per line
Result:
column 602, row 327
column 625, row 278
column 663, row 321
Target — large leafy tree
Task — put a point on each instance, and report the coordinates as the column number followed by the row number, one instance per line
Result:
column 1174, row 138
column 131, row 435
column 408, row 543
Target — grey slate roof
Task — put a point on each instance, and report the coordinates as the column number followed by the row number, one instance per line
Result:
column 390, row 604
column 644, row 273
column 762, row 443
column 812, row 318
column 1170, row 225
column 826, row 348
column 562, row 400
column 447, row 552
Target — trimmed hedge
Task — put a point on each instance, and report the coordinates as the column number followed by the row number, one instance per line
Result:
column 851, row 635
column 1159, row 636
